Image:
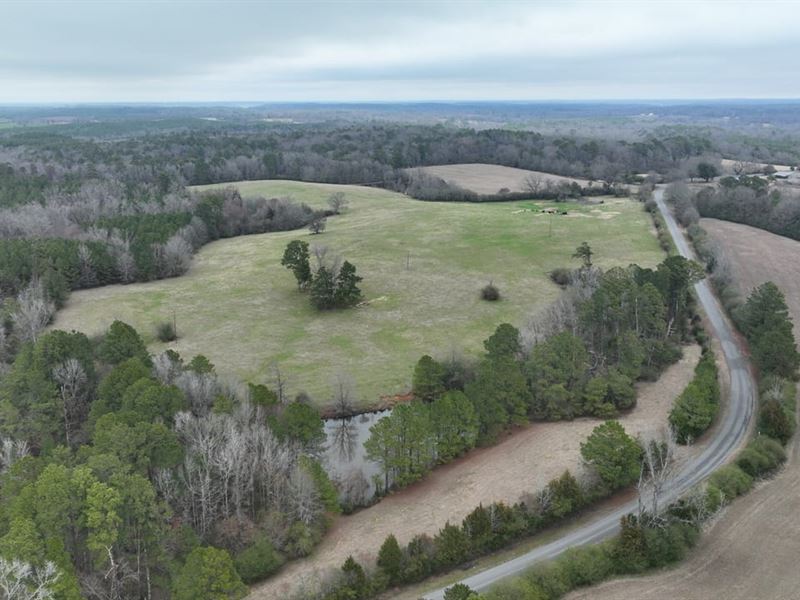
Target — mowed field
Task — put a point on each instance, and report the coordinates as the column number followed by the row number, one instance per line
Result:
column 751, row 551
column 239, row 307
column 490, row 179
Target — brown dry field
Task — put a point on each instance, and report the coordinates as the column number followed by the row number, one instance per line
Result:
column 728, row 164
column 489, row 179
column 750, row 552
column 757, row 256
column 522, row 462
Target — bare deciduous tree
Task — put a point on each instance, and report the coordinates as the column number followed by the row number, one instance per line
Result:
column 123, row 257
column 165, row 369
column 11, row 451
column 21, row 581
column 533, row 184
column 233, row 465
column 344, row 393
column 279, row 383
column 318, row 225
column 305, row 500
column 177, row 256
column 33, row 313
column 71, row 379
column 87, row 276
column 338, row 202
column 659, row 466
column 200, row 390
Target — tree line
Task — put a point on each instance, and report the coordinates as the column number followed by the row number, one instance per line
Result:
column 332, row 152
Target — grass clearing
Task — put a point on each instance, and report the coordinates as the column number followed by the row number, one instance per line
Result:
column 240, row 308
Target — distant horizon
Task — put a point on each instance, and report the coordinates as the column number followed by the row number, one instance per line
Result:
column 213, row 51
column 255, row 103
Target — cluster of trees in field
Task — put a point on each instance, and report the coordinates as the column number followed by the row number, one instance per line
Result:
column 126, row 475
column 620, row 326
column 333, row 283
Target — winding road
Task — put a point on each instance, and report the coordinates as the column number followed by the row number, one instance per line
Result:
column 729, row 435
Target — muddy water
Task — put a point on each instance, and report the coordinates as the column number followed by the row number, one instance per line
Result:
column 344, row 456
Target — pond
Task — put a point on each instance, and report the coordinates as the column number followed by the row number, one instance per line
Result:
column 345, row 458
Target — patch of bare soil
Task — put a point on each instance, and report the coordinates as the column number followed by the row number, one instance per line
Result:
column 490, row 179
column 523, row 462
column 751, row 551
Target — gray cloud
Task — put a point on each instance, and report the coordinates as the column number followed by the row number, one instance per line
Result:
column 203, row 51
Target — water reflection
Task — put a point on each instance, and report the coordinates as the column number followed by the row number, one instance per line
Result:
column 345, row 458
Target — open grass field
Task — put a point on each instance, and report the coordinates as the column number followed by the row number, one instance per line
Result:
column 489, row 179
column 522, row 462
column 239, row 307
column 751, row 550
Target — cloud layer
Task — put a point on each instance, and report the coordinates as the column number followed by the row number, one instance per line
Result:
column 343, row 51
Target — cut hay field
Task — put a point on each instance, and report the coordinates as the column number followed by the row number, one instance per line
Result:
column 239, row 307
column 489, row 179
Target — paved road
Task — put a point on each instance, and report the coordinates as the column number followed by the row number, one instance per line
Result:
column 729, row 435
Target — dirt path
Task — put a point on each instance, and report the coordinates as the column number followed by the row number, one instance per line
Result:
column 751, row 551
column 523, row 462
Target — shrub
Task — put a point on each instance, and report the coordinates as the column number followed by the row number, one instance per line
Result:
column 753, row 462
column 669, row 544
column 561, row 276
column 551, row 578
column 761, row 456
column 166, row 332
column 257, row 561
column 490, row 292
column 458, row 591
column 731, row 481
column 587, row 565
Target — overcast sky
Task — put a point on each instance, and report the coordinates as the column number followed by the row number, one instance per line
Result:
column 174, row 51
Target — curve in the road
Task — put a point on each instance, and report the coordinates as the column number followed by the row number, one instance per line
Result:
column 729, row 435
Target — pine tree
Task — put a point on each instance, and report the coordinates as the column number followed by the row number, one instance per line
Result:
column 427, row 382
column 355, row 579
column 295, row 258
column 347, row 291
column 390, row 560
column 323, row 290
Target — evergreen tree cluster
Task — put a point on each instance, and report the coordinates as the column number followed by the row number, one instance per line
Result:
column 329, row 287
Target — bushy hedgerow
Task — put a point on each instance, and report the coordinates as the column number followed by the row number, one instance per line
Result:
column 697, row 406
